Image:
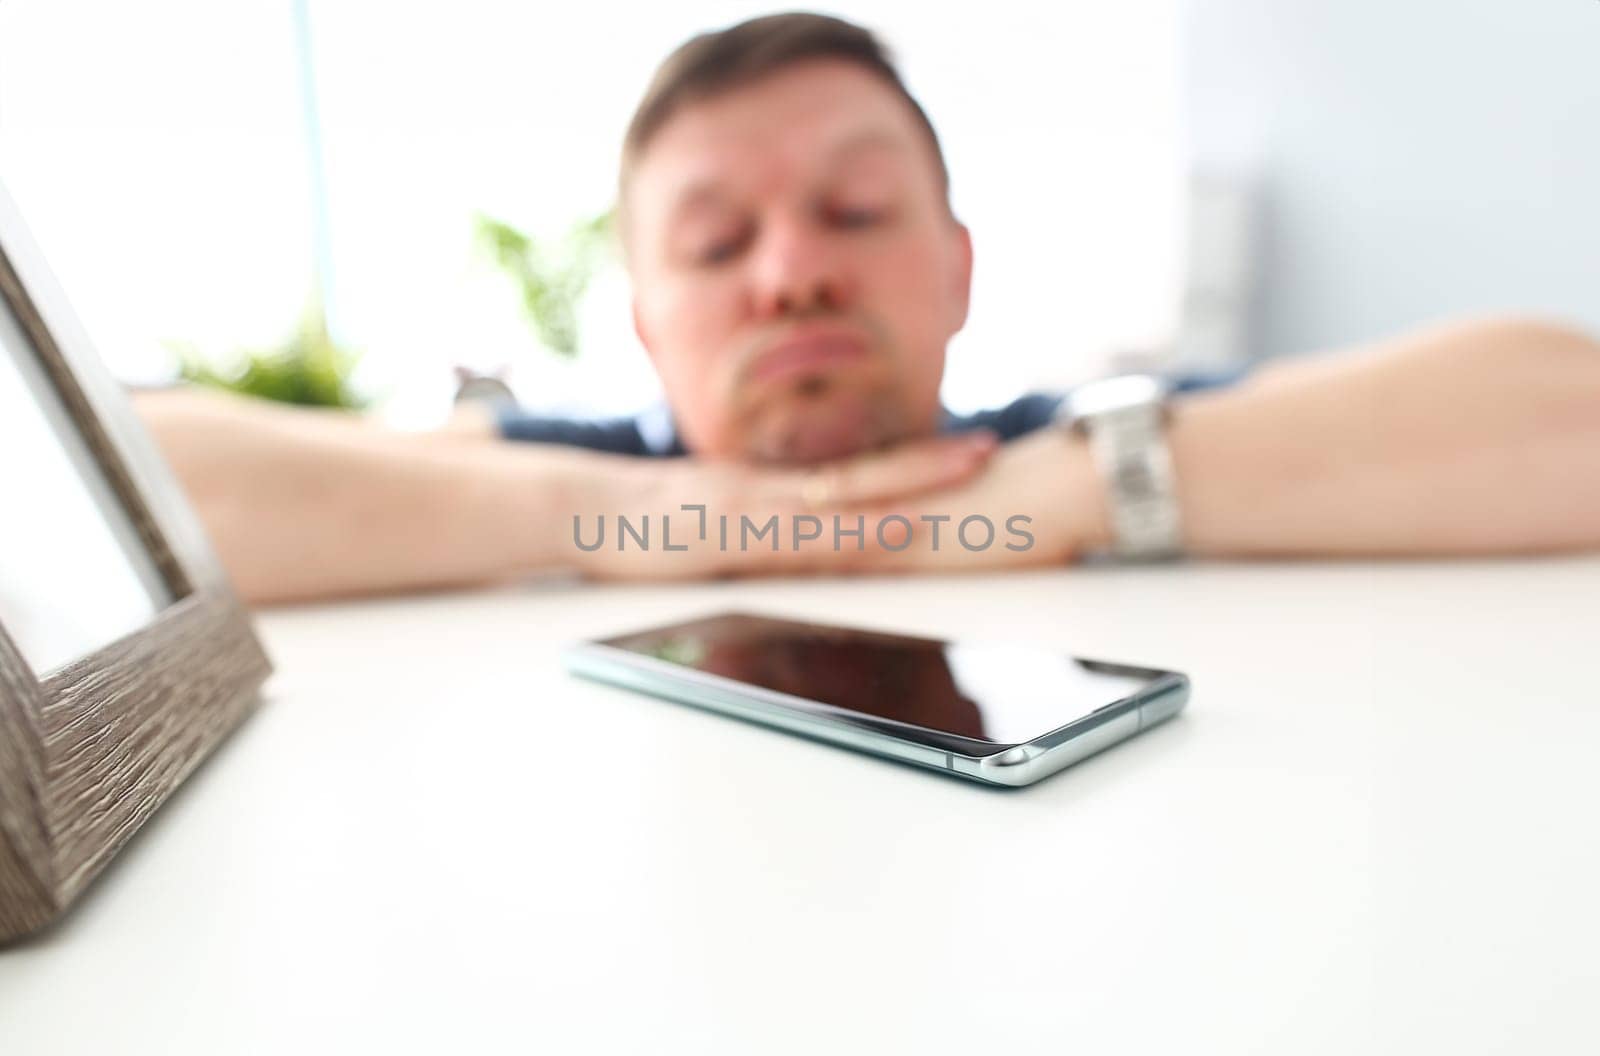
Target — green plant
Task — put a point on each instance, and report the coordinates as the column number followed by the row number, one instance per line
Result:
column 309, row 369
column 551, row 278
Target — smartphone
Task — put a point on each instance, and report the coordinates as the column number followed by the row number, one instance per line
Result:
column 997, row 713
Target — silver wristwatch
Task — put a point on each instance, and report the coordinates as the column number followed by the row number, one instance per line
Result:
column 1124, row 420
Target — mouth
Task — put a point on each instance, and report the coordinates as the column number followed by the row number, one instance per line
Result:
column 808, row 350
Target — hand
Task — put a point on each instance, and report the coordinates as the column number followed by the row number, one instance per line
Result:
column 706, row 518
column 1040, row 502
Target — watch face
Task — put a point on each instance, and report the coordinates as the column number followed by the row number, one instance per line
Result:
column 1115, row 394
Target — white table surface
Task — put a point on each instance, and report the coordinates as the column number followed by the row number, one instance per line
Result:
column 1373, row 831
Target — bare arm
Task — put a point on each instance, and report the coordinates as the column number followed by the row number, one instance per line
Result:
column 1475, row 438
column 304, row 504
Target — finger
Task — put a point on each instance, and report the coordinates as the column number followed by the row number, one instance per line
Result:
column 924, row 466
column 900, row 539
column 891, row 542
column 857, row 542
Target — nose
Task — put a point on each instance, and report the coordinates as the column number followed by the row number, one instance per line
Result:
column 798, row 270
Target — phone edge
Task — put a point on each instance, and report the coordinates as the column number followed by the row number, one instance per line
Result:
column 1016, row 766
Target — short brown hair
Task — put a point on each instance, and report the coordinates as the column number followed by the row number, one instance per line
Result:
column 713, row 63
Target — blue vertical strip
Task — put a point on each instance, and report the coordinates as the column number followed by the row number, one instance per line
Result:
column 321, row 224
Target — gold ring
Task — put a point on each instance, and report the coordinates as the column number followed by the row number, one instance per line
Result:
column 820, row 489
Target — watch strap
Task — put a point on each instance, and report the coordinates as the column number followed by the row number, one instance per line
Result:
column 1130, row 450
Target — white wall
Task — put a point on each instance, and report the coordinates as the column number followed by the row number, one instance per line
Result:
column 1420, row 159
column 155, row 149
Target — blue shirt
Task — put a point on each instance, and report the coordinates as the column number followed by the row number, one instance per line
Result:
column 652, row 434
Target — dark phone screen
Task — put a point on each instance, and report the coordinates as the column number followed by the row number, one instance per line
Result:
column 998, row 693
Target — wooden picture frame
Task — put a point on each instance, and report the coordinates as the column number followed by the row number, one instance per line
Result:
column 89, row 750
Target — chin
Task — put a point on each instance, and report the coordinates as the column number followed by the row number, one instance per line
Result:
column 810, row 451
column 824, row 423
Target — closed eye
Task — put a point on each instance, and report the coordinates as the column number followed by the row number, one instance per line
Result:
column 854, row 217
column 722, row 249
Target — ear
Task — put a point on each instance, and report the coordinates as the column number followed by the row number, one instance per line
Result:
column 960, row 274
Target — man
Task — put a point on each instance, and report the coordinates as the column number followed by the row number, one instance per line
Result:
column 797, row 276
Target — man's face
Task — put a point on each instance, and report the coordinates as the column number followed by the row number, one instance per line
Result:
column 797, row 274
